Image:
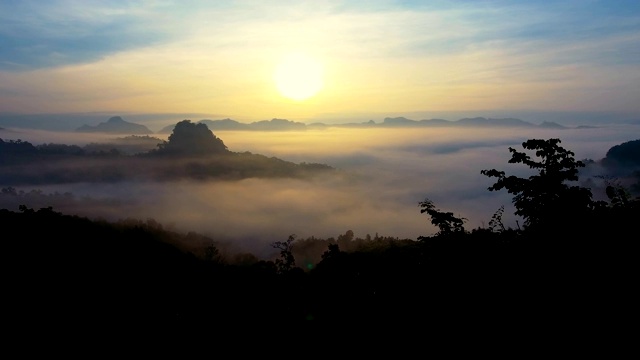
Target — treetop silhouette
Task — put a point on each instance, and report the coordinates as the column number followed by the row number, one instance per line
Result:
column 546, row 198
column 447, row 222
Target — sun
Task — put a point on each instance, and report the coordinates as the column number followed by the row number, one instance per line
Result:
column 298, row 76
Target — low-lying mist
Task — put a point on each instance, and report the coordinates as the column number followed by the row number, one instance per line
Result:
column 382, row 175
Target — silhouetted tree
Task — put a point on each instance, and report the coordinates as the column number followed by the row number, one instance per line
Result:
column 617, row 194
column 545, row 199
column 61, row 149
column 495, row 224
column 211, row 253
column 286, row 262
column 17, row 147
column 344, row 241
column 9, row 191
column 333, row 250
column 447, row 222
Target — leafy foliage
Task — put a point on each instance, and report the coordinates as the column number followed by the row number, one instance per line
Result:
column 546, row 198
column 495, row 224
column 286, row 262
column 618, row 195
column 447, row 222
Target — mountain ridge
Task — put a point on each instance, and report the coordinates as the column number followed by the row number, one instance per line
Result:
column 284, row 124
column 116, row 125
column 64, row 122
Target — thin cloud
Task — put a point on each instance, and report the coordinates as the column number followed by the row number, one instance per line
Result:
column 379, row 57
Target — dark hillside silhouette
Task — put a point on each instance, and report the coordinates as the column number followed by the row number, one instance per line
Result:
column 625, row 154
column 621, row 166
column 573, row 259
column 72, row 270
column 127, row 145
column 79, row 272
column 15, row 150
column 190, row 138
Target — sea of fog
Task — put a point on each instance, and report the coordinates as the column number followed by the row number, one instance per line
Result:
column 382, row 175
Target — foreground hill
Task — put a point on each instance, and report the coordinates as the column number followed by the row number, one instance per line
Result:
column 88, row 272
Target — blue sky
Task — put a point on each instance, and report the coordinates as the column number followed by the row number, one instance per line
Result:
column 379, row 57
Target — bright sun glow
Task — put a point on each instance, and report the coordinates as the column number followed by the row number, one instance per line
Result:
column 298, row 77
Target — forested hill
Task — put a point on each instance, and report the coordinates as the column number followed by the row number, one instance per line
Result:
column 191, row 152
column 388, row 122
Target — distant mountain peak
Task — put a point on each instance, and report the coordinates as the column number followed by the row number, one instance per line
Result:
column 277, row 124
column 388, row 122
column 482, row 121
column 551, row 125
column 115, row 119
column 399, row 119
column 116, row 125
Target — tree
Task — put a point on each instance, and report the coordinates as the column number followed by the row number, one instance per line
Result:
column 286, row 262
column 332, row 252
column 495, row 224
column 545, row 199
column 211, row 253
column 445, row 221
column 345, row 241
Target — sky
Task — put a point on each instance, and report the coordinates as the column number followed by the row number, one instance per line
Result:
column 365, row 59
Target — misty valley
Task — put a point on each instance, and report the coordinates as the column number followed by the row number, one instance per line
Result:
column 192, row 152
column 346, row 224
column 172, row 164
